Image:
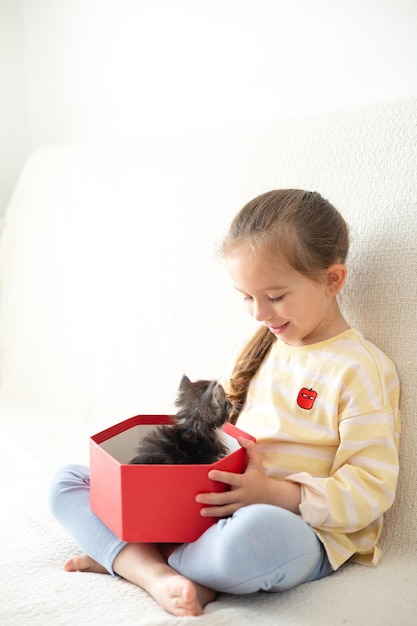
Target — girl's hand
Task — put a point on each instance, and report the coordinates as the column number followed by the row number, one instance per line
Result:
column 251, row 487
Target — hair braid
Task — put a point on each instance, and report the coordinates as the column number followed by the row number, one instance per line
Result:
column 246, row 366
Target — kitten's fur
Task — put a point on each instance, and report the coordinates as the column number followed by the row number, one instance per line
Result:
column 194, row 434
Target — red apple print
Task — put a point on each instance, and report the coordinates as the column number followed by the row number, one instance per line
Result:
column 306, row 398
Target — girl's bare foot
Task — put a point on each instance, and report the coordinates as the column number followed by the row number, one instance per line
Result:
column 83, row 563
column 145, row 566
column 180, row 596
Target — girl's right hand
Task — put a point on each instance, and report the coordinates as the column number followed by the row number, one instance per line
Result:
column 251, row 487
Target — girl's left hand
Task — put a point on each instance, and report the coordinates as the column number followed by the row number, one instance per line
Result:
column 248, row 488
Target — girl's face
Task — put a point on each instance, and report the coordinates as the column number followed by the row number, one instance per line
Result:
column 299, row 310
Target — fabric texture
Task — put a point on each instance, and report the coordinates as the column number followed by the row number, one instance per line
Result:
column 110, row 290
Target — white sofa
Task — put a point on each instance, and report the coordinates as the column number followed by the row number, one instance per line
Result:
column 110, row 290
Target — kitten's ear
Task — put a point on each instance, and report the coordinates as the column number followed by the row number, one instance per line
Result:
column 218, row 394
column 185, row 381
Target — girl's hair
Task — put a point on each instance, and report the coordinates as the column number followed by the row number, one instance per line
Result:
column 298, row 226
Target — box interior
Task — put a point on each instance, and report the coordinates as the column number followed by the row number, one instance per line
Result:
column 122, row 447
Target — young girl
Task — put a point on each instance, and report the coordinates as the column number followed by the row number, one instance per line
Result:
column 322, row 403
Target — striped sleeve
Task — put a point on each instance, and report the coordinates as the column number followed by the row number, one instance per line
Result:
column 362, row 483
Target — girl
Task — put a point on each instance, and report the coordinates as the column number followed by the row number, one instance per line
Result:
column 322, row 402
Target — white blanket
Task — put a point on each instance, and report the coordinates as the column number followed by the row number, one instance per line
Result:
column 110, row 291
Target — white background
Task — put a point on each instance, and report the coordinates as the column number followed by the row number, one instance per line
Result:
column 80, row 70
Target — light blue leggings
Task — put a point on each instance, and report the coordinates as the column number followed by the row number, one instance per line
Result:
column 261, row 547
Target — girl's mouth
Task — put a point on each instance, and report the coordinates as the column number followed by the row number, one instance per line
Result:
column 277, row 330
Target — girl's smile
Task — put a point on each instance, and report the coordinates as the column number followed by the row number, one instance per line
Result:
column 278, row 330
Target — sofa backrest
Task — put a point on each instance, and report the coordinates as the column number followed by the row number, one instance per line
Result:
column 110, row 286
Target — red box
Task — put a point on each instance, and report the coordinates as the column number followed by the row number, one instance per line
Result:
column 153, row 503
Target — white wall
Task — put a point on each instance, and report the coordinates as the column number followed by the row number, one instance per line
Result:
column 114, row 68
column 14, row 120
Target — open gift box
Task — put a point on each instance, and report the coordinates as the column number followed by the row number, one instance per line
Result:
column 153, row 503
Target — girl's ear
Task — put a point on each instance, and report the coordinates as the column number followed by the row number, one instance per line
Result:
column 335, row 278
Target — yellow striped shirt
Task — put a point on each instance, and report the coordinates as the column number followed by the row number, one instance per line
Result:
column 326, row 416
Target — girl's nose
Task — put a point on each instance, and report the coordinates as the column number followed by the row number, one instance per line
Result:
column 261, row 312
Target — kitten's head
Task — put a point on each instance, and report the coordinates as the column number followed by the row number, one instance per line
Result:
column 203, row 401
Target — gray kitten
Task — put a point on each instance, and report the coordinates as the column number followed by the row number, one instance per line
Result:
column 194, row 434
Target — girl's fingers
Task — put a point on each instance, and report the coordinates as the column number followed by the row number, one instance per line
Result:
column 252, row 450
column 228, row 478
column 219, row 511
column 217, row 499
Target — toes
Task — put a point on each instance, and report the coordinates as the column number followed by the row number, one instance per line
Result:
column 69, row 565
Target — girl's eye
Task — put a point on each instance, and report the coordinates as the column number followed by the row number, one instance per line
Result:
column 277, row 299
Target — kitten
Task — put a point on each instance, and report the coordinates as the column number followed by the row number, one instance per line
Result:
column 194, row 434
